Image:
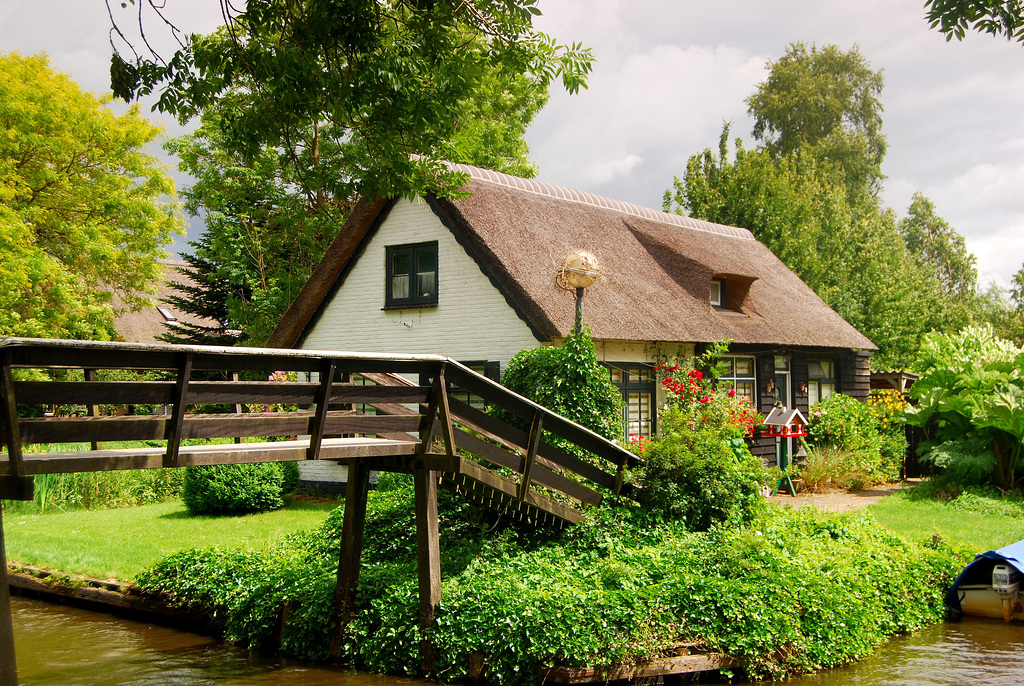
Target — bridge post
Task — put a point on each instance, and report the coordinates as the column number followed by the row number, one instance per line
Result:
column 350, row 559
column 8, row 665
column 428, row 556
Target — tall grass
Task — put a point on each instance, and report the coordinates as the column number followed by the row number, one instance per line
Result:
column 95, row 490
column 828, row 467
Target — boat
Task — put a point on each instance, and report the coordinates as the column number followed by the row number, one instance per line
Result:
column 990, row 586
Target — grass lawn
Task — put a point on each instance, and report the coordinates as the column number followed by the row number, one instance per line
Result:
column 920, row 519
column 119, row 543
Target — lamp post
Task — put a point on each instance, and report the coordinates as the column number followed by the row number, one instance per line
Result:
column 579, row 270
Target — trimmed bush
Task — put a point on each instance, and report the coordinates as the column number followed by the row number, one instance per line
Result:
column 695, row 475
column 233, row 488
column 568, row 380
column 289, row 477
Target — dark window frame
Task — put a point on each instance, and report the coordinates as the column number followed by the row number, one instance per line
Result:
column 413, row 300
column 626, row 387
column 817, row 381
column 488, row 368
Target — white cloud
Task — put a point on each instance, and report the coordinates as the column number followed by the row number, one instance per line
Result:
column 606, row 170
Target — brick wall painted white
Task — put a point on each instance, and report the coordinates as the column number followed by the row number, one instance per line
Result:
column 472, row 320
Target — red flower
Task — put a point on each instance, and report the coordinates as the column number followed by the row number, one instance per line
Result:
column 732, row 392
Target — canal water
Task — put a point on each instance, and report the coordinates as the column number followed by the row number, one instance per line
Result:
column 975, row 652
column 64, row 646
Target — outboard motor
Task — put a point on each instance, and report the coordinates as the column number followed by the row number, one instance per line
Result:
column 1006, row 582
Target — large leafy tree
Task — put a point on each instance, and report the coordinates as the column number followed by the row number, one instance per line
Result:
column 851, row 254
column 307, row 105
column 379, row 82
column 823, row 102
column 940, row 249
column 84, row 210
column 995, row 307
column 269, row 222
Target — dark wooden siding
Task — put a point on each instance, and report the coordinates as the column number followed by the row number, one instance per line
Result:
column 855, row 374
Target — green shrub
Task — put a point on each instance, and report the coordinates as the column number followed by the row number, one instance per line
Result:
column 694, row 474
column 568, row 380
column 842, row 422
column 890, row 408
column 791, row 592
column 969, row 398
column 289, row 477
column 233, row 488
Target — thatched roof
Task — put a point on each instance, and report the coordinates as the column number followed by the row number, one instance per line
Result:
column 144, row 325
column 657, row 269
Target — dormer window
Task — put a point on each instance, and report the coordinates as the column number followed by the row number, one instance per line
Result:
column 729, row 293
column 411, row 275
column 166, row 314
column 718, row 293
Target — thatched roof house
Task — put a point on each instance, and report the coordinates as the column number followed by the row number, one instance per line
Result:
column 146, row 324
column 474, row 279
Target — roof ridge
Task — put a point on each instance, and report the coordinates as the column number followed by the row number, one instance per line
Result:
column 584, row 198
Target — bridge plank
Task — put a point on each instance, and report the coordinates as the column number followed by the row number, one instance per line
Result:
column 154, row 427
column 339, row 449
column 495, row 393
column 206, row 393
column 541, row 474
column 557, row 457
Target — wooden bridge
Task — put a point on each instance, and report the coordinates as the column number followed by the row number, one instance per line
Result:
column 360, row 410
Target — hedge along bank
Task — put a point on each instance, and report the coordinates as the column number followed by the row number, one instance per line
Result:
column 791, row 591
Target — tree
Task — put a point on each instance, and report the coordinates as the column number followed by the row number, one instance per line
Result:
column 995, row 308
column 207, row 296
column 82, row 210
column 823, row 103
column 953, row 18
column 378, row 81
column 940, row 249
column 810, row 193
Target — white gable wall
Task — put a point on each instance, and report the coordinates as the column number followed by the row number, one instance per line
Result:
column 472, row 320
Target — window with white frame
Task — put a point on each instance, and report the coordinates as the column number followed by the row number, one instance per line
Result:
column 821, row 380
column 717, row 292
column 739, row 375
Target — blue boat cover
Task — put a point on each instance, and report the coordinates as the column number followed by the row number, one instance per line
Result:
column 1012, row 554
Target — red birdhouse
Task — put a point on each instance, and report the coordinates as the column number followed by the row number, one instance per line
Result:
column 785, row 423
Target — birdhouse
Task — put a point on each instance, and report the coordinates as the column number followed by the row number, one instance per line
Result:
column 784, row 423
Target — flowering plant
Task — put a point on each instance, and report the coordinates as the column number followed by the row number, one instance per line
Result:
column 638, row 444
column 703, row 406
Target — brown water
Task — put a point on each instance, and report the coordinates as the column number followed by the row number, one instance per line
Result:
column 64, row 646
column 976, row 652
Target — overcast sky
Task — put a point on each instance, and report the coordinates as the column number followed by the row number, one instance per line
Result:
column 669, row 72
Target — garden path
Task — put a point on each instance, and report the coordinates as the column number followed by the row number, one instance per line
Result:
column 839, row 501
